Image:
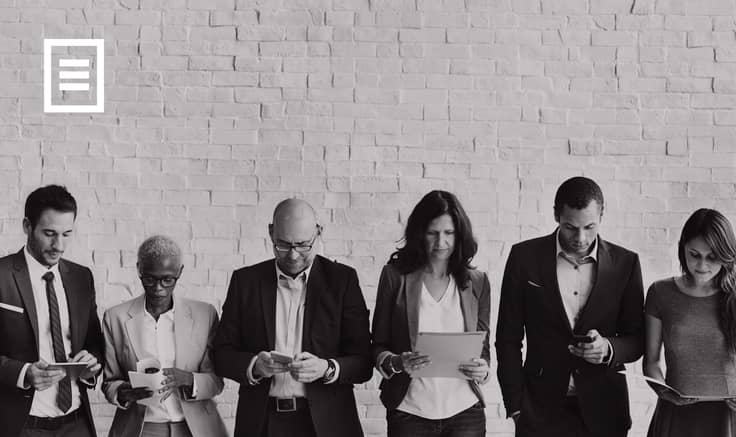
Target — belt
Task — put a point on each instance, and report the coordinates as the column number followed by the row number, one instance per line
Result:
column 285, row 405
column 51, row 423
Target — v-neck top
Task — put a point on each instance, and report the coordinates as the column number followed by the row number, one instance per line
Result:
column 439, row 398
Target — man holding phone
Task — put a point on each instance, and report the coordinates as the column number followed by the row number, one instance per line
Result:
column 294, row 334
column 578, row 299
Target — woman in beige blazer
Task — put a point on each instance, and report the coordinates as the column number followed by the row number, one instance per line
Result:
column 175, row 332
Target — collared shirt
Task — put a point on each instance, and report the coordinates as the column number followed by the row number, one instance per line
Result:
column 439, row 398
column 576, row 277
column 290, row 299
column 159, row 342
column 44, row 401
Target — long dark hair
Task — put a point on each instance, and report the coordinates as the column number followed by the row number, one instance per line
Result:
column 413, row 254
column 717, row 232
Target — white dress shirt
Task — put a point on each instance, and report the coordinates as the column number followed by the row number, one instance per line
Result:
column 44, row 401
column 439, row 398
column 290, row 298
column 576, row 278
column 159, row 342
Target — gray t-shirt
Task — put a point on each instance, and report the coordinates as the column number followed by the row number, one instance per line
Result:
column 695, row 350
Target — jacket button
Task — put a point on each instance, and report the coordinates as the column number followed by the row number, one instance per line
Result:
column 577, row 371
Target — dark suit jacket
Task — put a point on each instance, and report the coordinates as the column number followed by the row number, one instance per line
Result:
column 396, row 321
column 614, row 308
column 335, row 326
column 19, row 339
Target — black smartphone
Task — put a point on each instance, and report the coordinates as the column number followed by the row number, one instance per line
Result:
column 580, row 338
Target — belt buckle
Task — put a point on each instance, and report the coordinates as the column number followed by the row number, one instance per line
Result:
column 285, row 405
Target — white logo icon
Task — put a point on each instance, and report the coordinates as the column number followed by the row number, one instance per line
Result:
column 68, row 79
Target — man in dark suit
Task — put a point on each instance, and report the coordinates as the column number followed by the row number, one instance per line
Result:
column 579, row 300
column 311, row 312
column 47, row 315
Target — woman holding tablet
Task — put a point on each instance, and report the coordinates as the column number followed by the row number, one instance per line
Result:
column 694, row 317
column 429, row 285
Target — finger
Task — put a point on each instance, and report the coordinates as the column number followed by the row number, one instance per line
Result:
column 593, row 333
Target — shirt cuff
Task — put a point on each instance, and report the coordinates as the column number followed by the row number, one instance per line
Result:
column 194, row 387
column 252, row 380
column 608, row 361
column 337, row 372
column 91, row 382
column 22, row 377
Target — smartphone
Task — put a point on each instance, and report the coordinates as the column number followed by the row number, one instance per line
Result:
column 580, row 338
column 281, row 358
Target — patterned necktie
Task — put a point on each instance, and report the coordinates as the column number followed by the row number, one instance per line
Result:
column 64, row 397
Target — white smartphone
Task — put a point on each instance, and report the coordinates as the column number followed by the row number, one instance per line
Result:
column 281, row 358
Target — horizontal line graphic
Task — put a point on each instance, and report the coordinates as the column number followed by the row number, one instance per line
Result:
column 74, row 75
column 67, row 86
column 73, row 62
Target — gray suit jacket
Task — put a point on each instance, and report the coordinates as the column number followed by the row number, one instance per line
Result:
column 194, row 326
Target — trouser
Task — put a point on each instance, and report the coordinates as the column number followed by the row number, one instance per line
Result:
column 288, row 418
column 73, row 424
column 468, row 423
column 165, row 429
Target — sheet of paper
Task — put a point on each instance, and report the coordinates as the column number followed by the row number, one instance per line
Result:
column 152, row 381
column 447, row 350
column 632, row 374
column 73, row 370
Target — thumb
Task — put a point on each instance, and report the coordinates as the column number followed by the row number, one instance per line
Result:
column 594, row 333
column 41, row 364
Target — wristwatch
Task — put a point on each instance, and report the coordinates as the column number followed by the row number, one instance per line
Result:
column 330, row 372
column 185, row 391
column 391, row 364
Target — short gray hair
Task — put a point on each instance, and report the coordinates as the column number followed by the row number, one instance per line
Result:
column 157, row 247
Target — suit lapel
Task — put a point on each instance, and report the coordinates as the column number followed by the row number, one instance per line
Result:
column 604, row 275
column 183, row 327
column 316, row 283
column 469, row 304
column 71, row 289
column 23, row 282
column 413, row 294
column 549, row 275
column 134, row 326
column 268, row 302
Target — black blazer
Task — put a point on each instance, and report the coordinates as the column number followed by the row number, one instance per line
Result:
column 396, row 321
column 335, row 326
column 19, row 333
column 531, row 303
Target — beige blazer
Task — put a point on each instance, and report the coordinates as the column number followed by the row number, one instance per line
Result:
column 195, row 324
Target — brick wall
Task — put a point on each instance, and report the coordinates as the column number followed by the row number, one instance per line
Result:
column 218, row 109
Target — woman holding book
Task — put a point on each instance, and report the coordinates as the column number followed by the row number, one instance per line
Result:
column 694, row 317
column 428, row 285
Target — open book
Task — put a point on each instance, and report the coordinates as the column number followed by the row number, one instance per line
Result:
column 630, row 373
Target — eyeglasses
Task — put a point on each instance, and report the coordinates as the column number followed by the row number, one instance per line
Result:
column 300, row 248
column 165, row 281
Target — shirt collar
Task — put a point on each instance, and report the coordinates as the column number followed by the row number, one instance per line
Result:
column 35, row 269
column 303, row 276
column 593, row 253
column 165, row 315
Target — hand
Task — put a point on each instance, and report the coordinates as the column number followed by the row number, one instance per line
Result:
column 265, row 367
column 41, row 378
column 477, row 369
column 93, row 367
column 411, row 362
column 594, row 352
column 674, row 398
column 128, row 394
column 731, row 404
column 175, row 378
column 307, row 368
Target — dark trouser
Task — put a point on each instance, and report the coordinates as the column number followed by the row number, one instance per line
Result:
column 564, row 421
column 73, row 424
column 296, row 423
column 468, row 423
column 167, row 429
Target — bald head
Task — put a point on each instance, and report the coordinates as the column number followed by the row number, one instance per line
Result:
column 294, row 224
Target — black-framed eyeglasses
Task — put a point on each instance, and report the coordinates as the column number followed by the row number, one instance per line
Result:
column 165, row 281
column 301, row 247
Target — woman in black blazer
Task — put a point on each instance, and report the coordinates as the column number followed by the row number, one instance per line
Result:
column 429, row 285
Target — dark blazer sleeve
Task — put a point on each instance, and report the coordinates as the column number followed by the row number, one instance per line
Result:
column 628, row 344
column 388, row 287
column 509, row 335
column 355, row 343
column 94, row 342
column 484, row 315
column 231, row 359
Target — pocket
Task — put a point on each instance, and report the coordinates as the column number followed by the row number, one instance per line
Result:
column 12, row 308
